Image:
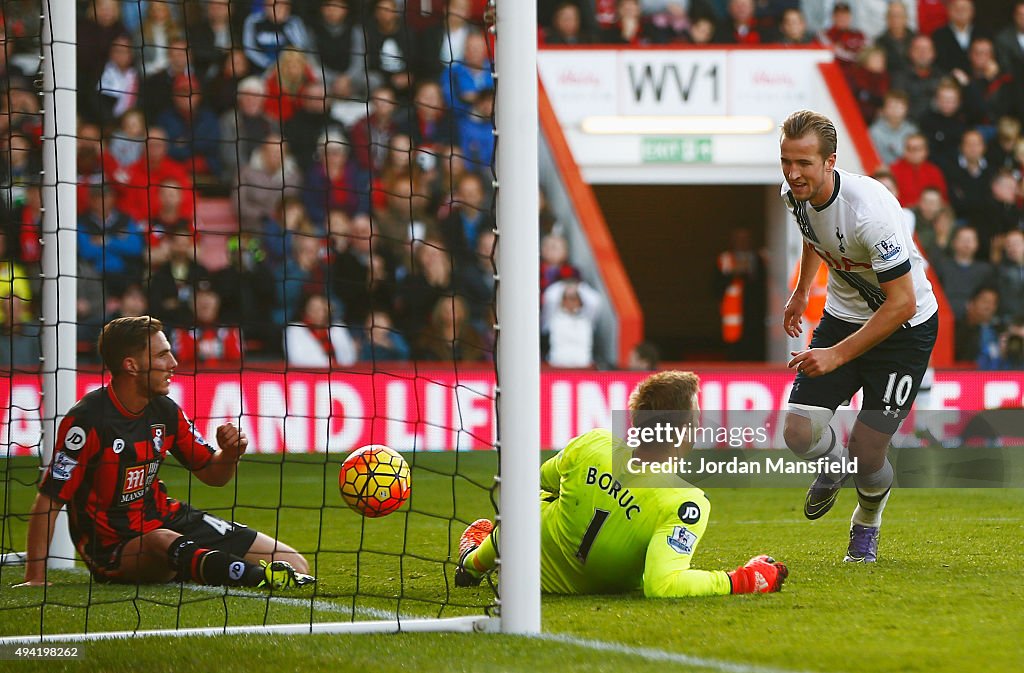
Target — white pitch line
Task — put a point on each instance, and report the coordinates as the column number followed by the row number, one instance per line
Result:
column 652, row 654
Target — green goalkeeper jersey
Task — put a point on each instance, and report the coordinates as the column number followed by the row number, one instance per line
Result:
column 600, row 536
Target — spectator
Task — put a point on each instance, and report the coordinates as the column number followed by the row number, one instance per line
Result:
column 896, row 39
column 631, row 26
column 953, row 40
column 390, row 49
column 565, row 26
column 248, row 293
column 303, row 273
column 977, row 330
column 869, row 81
column 96, row 31
column 212, row 37
column 159, row 28
column 19, row 334
column 138, row 186
column 569, row 311
column 891, row 130
column 1011, row 345
column 1010, row 43
column 644, row 357
column 128, row 143
column 962, row 274
column 1001, row 212
column 22, row 168
column 269, row 32
column 119, row 83
column 913, row 172
column 793, row 28
column 670, row 23
column 362, row 279
column 381, row 341
column 921, row 79
column 429, row 124
column 739, row 25
column 429, row 279
column 931, row 15
column 244, row 128
column 476, row 132
column 969, row 179
column 158, row 88
column 467, row 219
column 845, row 41
column 270, row 176
column 554, row 261
column 703, row 30
column 192, row 129
column 1001, row 152
column 344, row 105
column 401, row 218
column 222, row 89
column 286, row 82
column 309, row 125
column 315, row 341
column 464, row 81
column 444, row 43
column 944, row 124
column 131, row 304
column 172, row 285
column 340, row 45
column 477, row 283
column 167, row 218
column 331, row 182
column 1010, row 277
column 110, row 241
column 450, row 336
column 371, row 137
column 209, row 344
column 927, row 209
column 988, row 93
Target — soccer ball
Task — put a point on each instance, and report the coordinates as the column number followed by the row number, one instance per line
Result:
column 375, row 480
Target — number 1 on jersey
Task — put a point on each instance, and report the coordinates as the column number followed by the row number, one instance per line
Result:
column 600, row 515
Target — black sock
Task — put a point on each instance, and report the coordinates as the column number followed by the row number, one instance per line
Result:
column 212, row 566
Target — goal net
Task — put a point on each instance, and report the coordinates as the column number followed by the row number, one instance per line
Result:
column 304, row 193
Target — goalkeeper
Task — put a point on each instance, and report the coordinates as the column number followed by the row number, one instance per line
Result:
column 599, row 535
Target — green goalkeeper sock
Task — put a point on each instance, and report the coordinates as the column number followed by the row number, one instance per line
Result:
column 483, row 558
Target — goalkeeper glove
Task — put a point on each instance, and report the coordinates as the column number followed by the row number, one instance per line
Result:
column 762, row 574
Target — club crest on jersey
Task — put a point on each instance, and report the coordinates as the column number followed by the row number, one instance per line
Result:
column 889, row 248
column 682, row 540
column 157, row 433
column 63, row 466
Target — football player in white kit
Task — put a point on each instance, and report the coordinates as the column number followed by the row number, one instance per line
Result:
column 877, row 332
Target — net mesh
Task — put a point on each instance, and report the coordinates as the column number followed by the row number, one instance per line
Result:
column 302, row 193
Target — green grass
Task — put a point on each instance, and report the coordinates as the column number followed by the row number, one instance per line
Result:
column 947, row 595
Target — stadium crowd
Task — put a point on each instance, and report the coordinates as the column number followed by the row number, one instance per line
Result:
column 326, row 121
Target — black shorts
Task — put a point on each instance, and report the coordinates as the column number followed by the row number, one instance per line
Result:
column 890, row 373
column 206, row 530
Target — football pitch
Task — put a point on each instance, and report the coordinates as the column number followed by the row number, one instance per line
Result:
column 946, row 595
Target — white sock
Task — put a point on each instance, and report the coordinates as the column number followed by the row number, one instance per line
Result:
column 872, row 494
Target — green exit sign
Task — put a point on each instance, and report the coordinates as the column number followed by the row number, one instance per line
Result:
column 676, row 150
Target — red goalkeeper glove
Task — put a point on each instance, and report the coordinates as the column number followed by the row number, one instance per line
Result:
column 762, row 574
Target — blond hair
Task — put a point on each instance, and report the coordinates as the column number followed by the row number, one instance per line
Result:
column 807, row 122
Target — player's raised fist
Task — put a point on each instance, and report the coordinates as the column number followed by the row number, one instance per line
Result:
column 230, row 438
column 761, row 574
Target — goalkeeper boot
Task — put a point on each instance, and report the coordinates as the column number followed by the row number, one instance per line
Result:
column 821, row 496
column 863, row 544
column 281, row 575
column 472, row 537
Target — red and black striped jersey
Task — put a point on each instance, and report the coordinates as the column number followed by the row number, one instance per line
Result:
column 105, row 465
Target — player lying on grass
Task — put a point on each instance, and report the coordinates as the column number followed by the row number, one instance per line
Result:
column 109, row 449
column 599, row 535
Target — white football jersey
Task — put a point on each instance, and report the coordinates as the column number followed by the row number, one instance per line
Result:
column 861, row 236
